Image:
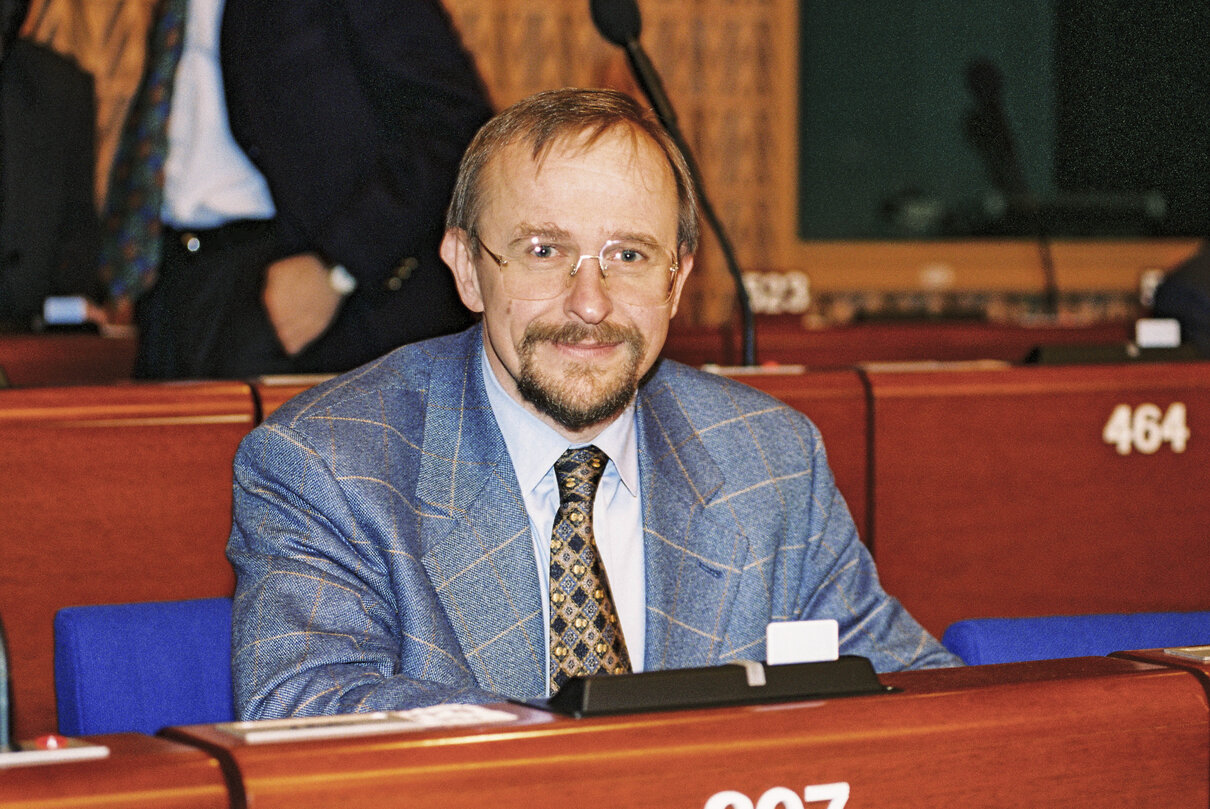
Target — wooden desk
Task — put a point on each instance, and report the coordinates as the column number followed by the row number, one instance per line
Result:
column 783, row 339
column 1088, row 732
column 140, row 772
column 272, row 392
column 33, row 360
column 111, row 494
column 999, row 494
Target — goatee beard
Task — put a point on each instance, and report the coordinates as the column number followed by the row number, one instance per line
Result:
column 581, row 396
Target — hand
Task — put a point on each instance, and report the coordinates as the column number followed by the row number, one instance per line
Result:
column 300, row 302
column 118, row 311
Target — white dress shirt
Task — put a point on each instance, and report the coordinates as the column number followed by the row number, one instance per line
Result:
column 208, row 180
column 617, row 520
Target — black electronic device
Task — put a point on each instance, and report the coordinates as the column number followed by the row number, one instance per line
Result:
column 739, row 683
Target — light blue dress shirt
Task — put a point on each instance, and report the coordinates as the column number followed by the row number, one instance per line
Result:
column 617, row 512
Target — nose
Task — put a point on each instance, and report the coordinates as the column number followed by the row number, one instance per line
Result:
column 587, row 298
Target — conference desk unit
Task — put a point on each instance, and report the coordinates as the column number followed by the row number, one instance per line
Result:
column 38, row 360
column 784, row 339
column 111, row 494
column 1088, row 732
column 1013, row 491
column 140, row 772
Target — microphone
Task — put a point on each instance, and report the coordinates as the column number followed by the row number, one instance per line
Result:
column 620, row 23
column 989, row 131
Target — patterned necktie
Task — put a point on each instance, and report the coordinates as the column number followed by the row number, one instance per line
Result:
column 585, row 636
column 130, row 254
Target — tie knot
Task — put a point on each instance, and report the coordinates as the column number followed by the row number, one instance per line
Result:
column 578, row 472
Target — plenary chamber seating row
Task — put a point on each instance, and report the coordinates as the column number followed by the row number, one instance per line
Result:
column 982, row 491
column 1131, row 728
column 112, row 494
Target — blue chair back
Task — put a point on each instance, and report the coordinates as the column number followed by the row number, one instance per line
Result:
column 1008, row 640
column 142, row 667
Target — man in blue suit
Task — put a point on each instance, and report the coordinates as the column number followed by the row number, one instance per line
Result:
column 393, row 526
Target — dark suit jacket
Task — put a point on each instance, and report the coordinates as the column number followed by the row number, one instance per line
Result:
column 48, row 220
column 384, row 556
column 1184, row 294
column 357, row 113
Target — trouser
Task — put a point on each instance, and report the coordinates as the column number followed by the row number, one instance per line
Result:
column 204, row 318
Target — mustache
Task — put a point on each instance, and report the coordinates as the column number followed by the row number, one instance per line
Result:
column 572, row 333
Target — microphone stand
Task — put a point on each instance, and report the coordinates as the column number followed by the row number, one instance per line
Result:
column 653, row 88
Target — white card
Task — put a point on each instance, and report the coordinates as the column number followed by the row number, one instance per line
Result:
column 801, row 641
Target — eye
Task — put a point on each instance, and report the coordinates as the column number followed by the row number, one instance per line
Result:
column 628, row 253
column 542, row 253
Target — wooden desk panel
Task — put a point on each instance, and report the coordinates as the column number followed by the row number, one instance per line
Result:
column 141, row 772
column 783, row 339
column 111, row 494
column 33, row 360
column 836, row 402
column 274, row 391
column 997, row 495
column 1088, row 732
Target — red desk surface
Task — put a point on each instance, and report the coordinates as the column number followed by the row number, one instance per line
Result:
column 111, row 494
column 782, row 338
column 140, row 772
column 1088, row 732
column 996, row 493
column 33, row 360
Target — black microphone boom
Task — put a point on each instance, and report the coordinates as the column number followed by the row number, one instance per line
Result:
column 620, row 23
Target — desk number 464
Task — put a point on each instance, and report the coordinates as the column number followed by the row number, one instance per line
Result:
column 1146, row 428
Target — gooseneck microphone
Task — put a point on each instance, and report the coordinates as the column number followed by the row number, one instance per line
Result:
column 620, row 23
column 989, row 131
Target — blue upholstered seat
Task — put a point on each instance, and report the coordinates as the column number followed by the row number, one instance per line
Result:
column 142, row 667
column 1007, row 640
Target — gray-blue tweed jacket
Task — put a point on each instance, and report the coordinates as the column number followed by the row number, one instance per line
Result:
column 384, row 557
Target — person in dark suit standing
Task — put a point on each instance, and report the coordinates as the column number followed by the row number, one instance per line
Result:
column 311, row 149
column 1184, row 294
column 48, row 219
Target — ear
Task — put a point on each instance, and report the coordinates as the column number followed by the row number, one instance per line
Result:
column 678, row 284
column 456, row 253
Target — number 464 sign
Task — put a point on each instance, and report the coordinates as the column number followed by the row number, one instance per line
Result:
column 1146, row 428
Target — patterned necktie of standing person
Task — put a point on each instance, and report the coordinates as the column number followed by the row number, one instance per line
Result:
column 585, row 634
column 130, row 254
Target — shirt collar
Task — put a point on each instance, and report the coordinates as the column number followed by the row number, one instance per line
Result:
column 534, row 446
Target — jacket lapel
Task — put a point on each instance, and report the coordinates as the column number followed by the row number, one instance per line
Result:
column 693, row 559
column 475, row 538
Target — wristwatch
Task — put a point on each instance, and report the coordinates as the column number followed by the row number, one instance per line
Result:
column 340, row 280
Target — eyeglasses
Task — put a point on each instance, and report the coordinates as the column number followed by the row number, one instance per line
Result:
column 634, row 271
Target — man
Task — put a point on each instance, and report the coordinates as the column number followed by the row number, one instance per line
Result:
column 399, row 535
column 48, row 222
column 310, row 154
column 1184, row 294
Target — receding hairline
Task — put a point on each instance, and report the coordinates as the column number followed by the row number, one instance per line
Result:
column 580, row 118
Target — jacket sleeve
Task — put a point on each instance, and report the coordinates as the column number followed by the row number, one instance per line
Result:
column 319, row 627
column 839, row 580
column 357, row 113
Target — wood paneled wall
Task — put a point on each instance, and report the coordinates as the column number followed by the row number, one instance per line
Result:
column 730, row 68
